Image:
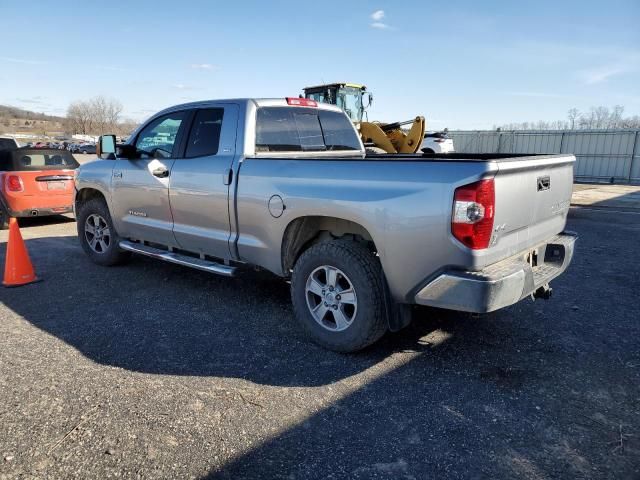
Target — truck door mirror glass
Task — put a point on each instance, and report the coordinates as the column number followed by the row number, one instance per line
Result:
column 106, row 147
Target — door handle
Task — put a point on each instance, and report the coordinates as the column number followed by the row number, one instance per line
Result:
column 161, row 172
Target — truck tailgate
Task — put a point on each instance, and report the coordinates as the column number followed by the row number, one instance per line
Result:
column 532, row 198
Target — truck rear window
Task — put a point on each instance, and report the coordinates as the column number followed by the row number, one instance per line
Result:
column 294, row 129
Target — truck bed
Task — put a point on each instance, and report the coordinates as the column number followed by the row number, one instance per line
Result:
column 404, row 202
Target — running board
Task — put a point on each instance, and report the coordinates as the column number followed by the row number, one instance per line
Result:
column 185, row 260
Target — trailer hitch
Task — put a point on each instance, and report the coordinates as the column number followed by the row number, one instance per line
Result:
column 544, row 292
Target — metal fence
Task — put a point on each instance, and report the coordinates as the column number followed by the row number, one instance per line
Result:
column 601, row 155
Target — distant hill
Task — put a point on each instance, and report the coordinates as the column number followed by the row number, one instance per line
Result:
column 18, row 120
column 7, row 111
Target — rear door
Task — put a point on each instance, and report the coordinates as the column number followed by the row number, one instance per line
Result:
column 200, row 181
column 140, row 186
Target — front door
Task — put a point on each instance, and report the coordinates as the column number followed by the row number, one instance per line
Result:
column 200, row 180
column 140, row 186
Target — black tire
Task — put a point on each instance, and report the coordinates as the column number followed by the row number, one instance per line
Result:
column 364, row 272
column 112, row 254
column 4, row 218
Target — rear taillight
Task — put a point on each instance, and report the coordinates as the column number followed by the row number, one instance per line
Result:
column 301, row 102
column 473, row 211
column 14, row 183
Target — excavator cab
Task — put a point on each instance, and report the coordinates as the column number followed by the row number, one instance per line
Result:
column 378, row 137
column 351, row 97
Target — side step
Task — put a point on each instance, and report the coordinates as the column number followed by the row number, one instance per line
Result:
column 197, row 263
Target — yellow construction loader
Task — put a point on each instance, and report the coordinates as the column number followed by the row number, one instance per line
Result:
column 354, row 99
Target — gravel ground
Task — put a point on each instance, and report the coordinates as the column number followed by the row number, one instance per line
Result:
column 156, row 371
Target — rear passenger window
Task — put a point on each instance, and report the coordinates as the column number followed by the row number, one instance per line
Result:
column 204, row 138
column 287, row 129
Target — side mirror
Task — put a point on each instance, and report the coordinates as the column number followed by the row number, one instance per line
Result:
column 106, row 147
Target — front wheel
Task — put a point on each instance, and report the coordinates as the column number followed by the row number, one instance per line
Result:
column 338, row 295
column 97, row 235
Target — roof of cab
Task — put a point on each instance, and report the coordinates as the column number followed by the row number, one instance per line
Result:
column 258, row 102
column 336, row 84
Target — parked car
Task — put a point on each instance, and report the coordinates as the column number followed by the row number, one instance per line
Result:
column 85, row 148
column 35, row 182
column 286, row 185
column 8, row 143
column 437, row 142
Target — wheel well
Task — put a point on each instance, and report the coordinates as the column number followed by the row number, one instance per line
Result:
column 87, row 194
column 303, row 232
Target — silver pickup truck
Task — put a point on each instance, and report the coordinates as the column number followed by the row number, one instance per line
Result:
column 286, row 185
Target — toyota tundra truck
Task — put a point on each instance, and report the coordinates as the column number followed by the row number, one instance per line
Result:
column 287, row 186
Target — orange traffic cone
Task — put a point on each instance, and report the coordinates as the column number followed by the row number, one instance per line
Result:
column 17, row 268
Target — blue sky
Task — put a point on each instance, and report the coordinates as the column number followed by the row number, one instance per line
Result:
column 461, row 64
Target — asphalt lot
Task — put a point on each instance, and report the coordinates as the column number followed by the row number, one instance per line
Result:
column 153, row 370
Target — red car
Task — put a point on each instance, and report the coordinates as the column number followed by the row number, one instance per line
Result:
column 35, row 182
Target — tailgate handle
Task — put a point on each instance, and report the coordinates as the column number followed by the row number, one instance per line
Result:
column 544, row 183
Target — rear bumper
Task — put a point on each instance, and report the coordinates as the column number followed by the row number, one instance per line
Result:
column 501, row 284
column 41, row 212
column 32, row 206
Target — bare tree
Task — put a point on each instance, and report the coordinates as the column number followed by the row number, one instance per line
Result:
column 596, row 117
column 79, row 117
column 573, row 114
column 95, row 116
column 615, row 119
column 126, row 127
column 600, row 116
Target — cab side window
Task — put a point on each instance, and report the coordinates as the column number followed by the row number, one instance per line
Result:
column 158, row 138
column 204, row 138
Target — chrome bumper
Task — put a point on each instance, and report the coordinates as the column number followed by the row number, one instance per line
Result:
column 501, row 284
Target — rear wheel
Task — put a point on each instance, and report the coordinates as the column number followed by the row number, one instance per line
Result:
column 97, row 235
column 338, row 295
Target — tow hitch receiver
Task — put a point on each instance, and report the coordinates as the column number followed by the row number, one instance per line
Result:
column 543, row 292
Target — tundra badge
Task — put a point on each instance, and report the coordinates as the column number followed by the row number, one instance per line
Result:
column 137, row 214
